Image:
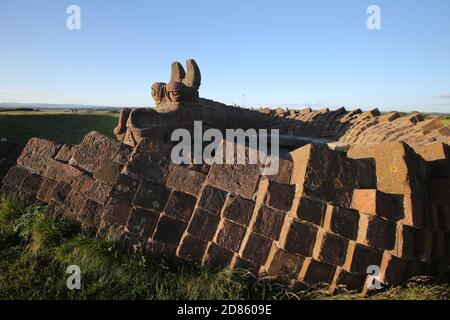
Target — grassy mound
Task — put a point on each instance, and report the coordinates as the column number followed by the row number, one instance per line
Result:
column 36, row 247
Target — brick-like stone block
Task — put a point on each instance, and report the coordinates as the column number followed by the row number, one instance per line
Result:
column 60, row 192
column 83, row 183
column 314, row 272
column 46, row 190
column 212, row 199
column 151, row 196
column 360, row 257
column 346, row 281
column 91, row 214
column 393, row 270
column 32, row 184
column 203, row 225
column 230, row 236
column 399, row 170
column 284, row 173
column 299, row 238
column 279, row 196
column 257, row 249
column 99, row 191
column 375, row 202
column 311, row 210
column 73, row 205
column 437, row 156
column 284, row 265
column 192, row 249
column 125, row 188
column 322, row 173
column 180, row 205
column 117, row 212
column 183, row 179
column 36, row 153
column 330, row 249
column 169, row 230
column 405, row 242
column 142, row 222
column 93, row 150
column 376, row 232
column 269, row 222
column 218, row 257
column 15, row 176
column 150, row 160
column 161, row 250
column 60, row 171
column 65, row 153
column 343, row 222
column 238, row 209
column 107, row 171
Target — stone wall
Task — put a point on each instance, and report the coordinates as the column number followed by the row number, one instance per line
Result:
column 324, row 218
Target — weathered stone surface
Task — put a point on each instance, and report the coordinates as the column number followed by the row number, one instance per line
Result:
column 142, row 222
column 330, row 249
column 65, row 153
column 125, row 188
column 343, row 222
column 269, row 222
column 257, row 249
column 183, row 179
column 299, row 238
column 315, row 272
column 93, row 150
column 15, row 176
column 169, row 230
column 218, row 257
column 108, row 171
column 36, row 153
column 91, row 214
column 376, row 232
column 59, row 171
column 99, row 191
column 117, row 212
column 203, row 225
column 372, row 201
column 285, row 265
column 360, row 257
column 212, row 199
column 238, row 210
column 311, row 210
column 151, row 196
column 279, row 195
column 230, row 236
column 180, row 205
column 192, row 249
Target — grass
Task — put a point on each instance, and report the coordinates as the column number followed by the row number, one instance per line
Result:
column 36, row 247
column 59, row 126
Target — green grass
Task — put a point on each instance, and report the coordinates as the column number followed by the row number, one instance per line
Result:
column 36, row 247
column 57, row 126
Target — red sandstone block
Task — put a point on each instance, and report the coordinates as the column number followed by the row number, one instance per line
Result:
column 169, row 230
column 65, row 153
column 142, row 222
column 108, row 171
column 99, row 192
column 91, row 214
column 32, row 184
column 405, row 241
column 46, row 190
column 343, row 222
column 212, row 199
column 279, row 196
column 345, row 281
column 284, row 265
column 393, row 270
column 183, row 179
column 125, row 188
column 83, row 183
column 116, row 212
column 203, row 225
column 180, row 205
column 243, row 264
column 299, row 238
column 124, row 154
column 375, row 202
column 376, row 232
column 269, row 222
column 284, row 173
column 151, row 196
column 314, row 272
column 330, row 249
column 36, row 153
column 60, row 192
column 230, row 236
column 238, row 209
column 192, row 249
column 161, row 250
column 93, row 150
column 73, row 205
column 256, row 249
column 218, row 257
column 59, row 171
column 360, row 257
column 15, row 176
column 311, row 210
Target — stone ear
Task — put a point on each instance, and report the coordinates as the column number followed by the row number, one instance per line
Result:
column 193, row 76
column 177, row 73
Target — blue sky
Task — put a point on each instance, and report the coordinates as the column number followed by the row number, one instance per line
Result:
column 253, row 53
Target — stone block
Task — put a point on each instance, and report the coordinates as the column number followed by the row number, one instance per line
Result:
column 218, row 257
column 314, row 272
column 393, row 270
column 151, row 196
column 345, row 281
column 360, row 257
column 60, row 192
column 279, row 196
column 330, row 249
column 180, row 205
column 15, row 176
column 36, row 153
column 65, row 153
column 212, row 199
column 238, row 209
column 310, row 210
column 376, row 232
column 203, row 225
column 192, row 249
column 284, row 265
column 299, row 238
column 107, row 171
column 183, row 179
column 230, row 236
column 169, row 230
column 32, row 184
column 343, row 222
column 83, row 183
column 59, row 171
column 91, row 214
column 117, row 212
column 99, row 191
column 46, row 190
column 73, row 205
column 256, row 249
column 269, row 222
column 375, row 202
column 142, row 222
column 125, row 188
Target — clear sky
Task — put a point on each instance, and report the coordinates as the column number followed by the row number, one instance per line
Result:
column 253, row 53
